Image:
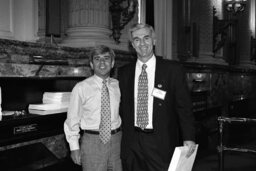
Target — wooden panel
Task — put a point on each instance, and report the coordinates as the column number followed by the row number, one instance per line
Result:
column 53, row 17
column 30, row 157
column 16, row 129
column 6, row 30
column 18, row 93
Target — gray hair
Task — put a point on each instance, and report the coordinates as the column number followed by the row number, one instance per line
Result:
column 138, row 26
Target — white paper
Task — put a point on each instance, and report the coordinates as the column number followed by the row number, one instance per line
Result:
column 179, row 160
column 47, row 112
column 49, row 106
column 1, row 115
column 0, row 96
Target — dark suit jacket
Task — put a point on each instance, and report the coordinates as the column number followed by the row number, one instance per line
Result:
column 170, row 116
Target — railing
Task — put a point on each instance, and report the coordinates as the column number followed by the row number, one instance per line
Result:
column 221, row 147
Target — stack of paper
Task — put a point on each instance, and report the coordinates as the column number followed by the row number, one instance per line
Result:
column 53, row 102
column 47, row 108
column 179, row 160
column 56, row 97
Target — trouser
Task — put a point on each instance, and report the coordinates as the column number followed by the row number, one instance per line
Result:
column 96, row 156
column 143, row 155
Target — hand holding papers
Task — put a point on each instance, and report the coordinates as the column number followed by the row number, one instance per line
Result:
column 0, row 104
column 179, row 160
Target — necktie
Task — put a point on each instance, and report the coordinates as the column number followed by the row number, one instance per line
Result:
column 105, row 122
column 142, row 99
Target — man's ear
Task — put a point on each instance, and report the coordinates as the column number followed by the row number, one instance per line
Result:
column 91, row 65
column 132, row 45
column 112, row 63
column 154, row 42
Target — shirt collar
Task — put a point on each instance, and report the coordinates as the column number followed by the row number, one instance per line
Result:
column 99, row 79
column 150, row 63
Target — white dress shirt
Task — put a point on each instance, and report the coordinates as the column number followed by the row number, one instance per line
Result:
column 85, row 108
column 151, row 66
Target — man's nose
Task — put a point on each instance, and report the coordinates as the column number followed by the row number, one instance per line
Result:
column 142, row 42
column 102, row 60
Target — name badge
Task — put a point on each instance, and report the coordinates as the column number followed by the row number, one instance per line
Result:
column 158, row 93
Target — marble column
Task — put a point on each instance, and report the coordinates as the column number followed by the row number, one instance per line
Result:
column 89, row 24
column 202, row 15
column 244, row 37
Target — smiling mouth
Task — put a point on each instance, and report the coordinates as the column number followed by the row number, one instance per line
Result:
column 144, row 49
column 103, row 67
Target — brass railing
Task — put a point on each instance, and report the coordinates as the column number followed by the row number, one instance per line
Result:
column 222, row 147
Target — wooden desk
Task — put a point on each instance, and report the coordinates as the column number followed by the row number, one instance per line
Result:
column 29, row 127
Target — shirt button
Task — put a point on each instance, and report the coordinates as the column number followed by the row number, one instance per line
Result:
column 159, row 104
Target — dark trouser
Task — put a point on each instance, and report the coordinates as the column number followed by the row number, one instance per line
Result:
column 144, row 155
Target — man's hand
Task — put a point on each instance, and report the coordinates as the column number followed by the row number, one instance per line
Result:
column 191, row 147
column 76, row 156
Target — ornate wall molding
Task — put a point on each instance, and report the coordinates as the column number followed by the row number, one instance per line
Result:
column 121, row 16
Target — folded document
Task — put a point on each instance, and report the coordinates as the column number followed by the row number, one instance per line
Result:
column 44, row 108
column 179, row 160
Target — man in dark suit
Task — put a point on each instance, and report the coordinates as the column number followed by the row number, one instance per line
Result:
column 153, row 123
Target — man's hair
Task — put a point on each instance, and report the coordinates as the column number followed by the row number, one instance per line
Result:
column 138, row 26
column 101, row 49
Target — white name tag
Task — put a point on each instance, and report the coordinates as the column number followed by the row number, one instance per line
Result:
column 158, row 93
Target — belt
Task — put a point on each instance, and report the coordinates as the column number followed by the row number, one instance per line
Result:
column 97, row 132
column 138, row 129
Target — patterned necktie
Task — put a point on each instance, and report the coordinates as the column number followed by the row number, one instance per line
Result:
column 105, row 122
column 142, row 99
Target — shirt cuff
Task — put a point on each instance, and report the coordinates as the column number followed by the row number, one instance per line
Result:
column 74, row 146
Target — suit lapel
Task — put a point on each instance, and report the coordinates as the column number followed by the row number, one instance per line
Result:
column 160, row 83
column 131, row 81
column 130, row 86
column 158, row 74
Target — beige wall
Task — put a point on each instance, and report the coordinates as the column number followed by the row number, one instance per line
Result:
column 6, row 19
column 18, row 19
